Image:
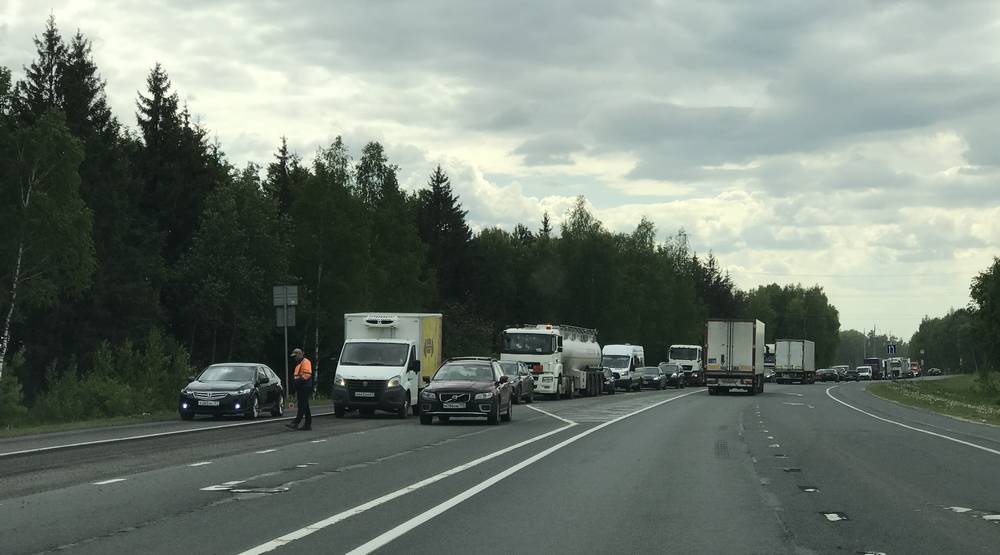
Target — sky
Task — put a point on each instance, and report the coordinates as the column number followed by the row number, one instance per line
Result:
column 849, row 144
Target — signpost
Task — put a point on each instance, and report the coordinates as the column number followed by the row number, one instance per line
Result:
column 891, row 348
column 286, row 297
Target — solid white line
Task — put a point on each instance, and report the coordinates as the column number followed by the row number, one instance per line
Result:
column 147, row 436
column 266, row 451
column 330, row 521
column 389, row 536
column 202, row 463
column 928, row 432
column 317, row 441
column 547, row 413
column 109, row 481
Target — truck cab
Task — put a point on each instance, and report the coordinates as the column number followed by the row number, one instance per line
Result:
column 624, row 362
column 689, row 357
column 558, row 356
column 381, row 362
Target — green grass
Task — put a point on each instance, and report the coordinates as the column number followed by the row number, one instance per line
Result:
column 29, row 429
column 955, row 396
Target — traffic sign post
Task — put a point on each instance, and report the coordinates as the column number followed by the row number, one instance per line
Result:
column 891, row 348
column 286, row 297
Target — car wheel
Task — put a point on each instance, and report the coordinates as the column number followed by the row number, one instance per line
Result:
column 187, row 416
column 279, row 407
column 426, row 419
column 494, row 417
column 510, row 413
column 339, row 411
column 254, row 411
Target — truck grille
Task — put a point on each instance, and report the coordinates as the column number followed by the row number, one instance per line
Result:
column 366, row 385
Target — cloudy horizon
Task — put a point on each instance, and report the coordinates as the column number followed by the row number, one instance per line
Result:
column 849, row 145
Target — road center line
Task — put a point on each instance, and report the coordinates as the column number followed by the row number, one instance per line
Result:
column 392, row 534
column 921, row 430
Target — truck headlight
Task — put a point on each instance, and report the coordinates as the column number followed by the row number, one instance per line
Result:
column 485, row 395
column 427, row 395
column 339, row 381
column 394, row 382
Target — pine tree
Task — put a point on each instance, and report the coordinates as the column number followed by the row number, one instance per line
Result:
column 42, row 87
column 546, row 230
column 284, row 176
column 442, row 227
column 82, row 90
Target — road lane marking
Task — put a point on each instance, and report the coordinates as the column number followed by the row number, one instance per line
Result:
column 991, row 517
column 317, row 441
column 202, row 463
column 835, row 517
column 113, row 480
column 908, row 427
column 224, row 486
column 390, row 535
column 330, row 521
column 959, row 509
column 147, row 436
column 793, row 404
column 266, row 451
column 547, row 413
column 774, row 446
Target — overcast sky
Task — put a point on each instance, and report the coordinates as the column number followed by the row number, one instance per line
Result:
column 853, row 144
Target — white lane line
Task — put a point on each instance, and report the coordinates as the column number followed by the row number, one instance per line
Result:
column 330, row 521
column 774, row 446
column 547, row 413
column 900, row 424
column 959, row 509
column 202, row 463
column 317, row 441
column 113, row 480
column 991, row 517
column 793, row 404
column 392, row 534
column 833, row 517
column 266, row 451
column 224, row 486
column 792, row 394
column 147, row 436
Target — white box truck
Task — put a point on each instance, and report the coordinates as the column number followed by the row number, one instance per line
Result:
column 623, row 360
column 795, row 361
column 734, row 351
column 689, row 357
column 563, row 359
column 383, row 359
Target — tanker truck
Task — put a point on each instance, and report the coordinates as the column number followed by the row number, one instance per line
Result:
column 563, row 360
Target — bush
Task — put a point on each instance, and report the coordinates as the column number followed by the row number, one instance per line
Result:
column 988, row 382
column 12, row 410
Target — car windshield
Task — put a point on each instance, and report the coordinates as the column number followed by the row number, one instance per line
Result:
column 683, row 353
column 529, row 343
column 650, row 371
column 509, row 368
column 670, row 368
column 464, row 372
column 227, row 374
column 374, row 354
column 615, row 361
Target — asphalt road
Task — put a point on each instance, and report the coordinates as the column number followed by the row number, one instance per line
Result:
column 817, row 468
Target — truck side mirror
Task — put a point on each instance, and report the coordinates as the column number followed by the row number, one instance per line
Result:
column 414, row 366
column 426, row 379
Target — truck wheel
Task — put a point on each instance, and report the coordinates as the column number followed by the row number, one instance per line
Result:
column 404, row 410
column 339, row 410
column 426, row 419
column 712, row 391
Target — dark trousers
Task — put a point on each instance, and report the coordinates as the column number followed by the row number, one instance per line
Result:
column 303, row 391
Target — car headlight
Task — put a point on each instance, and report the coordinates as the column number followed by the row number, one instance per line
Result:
column 427, row 395
column 186, row 391
column 244, row 391
column 339, row 381
column 394, row 382
column 485, row 395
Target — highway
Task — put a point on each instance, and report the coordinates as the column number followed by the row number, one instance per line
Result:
column 823, row 468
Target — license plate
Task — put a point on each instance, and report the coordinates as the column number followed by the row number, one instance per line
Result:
column 208, row 403
column 364, row 393
column 730, row 382
column 454, row 405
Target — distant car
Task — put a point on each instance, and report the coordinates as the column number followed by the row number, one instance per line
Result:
column 852, row 374
column 934, row 372
column 827, row 375
column 233, row 388
column 467, row 387
column 864, row 372
column 675, row 374
column 522, row 385
column 652, row 377
column 769, row 374
column 841, row 370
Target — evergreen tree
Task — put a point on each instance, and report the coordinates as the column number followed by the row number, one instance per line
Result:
column 41, row 89
column 442, row 227
column 284, row 176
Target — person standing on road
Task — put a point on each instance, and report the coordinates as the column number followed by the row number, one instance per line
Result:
column 303, row 381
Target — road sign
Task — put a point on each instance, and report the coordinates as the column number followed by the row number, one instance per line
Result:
column 286, row 294
column 280, row 313
column 891, row 348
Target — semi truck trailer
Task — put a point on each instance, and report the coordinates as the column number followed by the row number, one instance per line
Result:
column 734, row 351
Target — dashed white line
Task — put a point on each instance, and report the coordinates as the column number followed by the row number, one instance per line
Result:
column 959, row 509
column 833, row 517
column 202, row 463
column 793, row 404
column 317, row 441
column 223, row 486
column 991, row 517
column 774, row 445
column 266, row 451
column 908, row 427
column 111, row 481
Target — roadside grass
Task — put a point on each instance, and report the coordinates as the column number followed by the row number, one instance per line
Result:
column 31, row 429
column 958, row 396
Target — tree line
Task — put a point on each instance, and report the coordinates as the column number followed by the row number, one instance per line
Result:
column 130, row 254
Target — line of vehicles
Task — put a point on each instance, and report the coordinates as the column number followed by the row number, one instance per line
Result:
column 391, row 362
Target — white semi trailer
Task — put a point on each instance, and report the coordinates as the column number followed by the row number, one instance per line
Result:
column 795, row 361
column 563, row 359
column 734, row 351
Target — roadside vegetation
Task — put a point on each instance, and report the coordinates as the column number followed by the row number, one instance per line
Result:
column 969, row 396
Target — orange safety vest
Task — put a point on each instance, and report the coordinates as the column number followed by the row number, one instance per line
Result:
column 304, row 370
